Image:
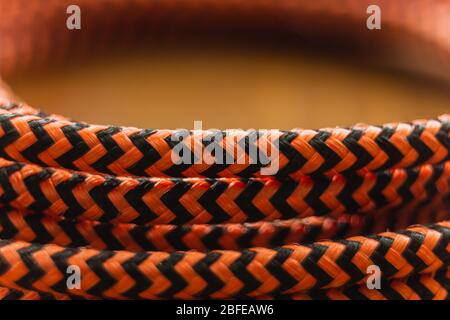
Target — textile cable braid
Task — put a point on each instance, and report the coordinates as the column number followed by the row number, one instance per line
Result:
column 112, row 201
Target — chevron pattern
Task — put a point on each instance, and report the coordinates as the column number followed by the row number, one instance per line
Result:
column 113, row 201
column 44, row 229
column 17, row 294
column 128, row 151
column 40, row 228
column 170, row 275
column 225, row 235
column 435, row 286
column 149, row 201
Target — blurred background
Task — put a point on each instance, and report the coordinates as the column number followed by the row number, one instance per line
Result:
column 266, row 77
column 171, row 89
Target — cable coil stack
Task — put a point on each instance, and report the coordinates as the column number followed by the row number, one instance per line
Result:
column 111, row 201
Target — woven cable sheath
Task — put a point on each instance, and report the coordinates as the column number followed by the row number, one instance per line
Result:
column 130, row 151
column 224, row 274
column 139, row 225
column 433, row 286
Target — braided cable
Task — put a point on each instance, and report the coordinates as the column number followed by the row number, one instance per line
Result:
column 138, row 224
column 226, row 274
column 434, row 286
column 130, row 151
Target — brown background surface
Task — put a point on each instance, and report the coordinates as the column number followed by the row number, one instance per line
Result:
column 229, row 89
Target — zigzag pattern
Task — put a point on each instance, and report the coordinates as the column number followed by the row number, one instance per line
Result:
column 43, row 229
column 56, row 217
column 17, row 294
column 434, row 286
column 224, row 274
column 144, row 201
column 116, row 203
column 129, row 151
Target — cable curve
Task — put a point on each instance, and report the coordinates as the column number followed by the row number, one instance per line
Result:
column 115, row 202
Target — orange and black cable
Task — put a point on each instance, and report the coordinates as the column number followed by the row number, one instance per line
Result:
column 44, row 229
column 126, row 151
column 433, row 286
column 132, row 236
column 146, row 201
column 112, row 200
column 250, row 272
